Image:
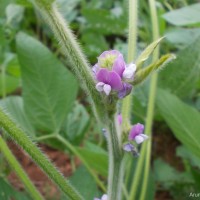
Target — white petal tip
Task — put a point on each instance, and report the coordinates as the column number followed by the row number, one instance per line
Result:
column 107, row 89
column 129, row 71
column 141, row 138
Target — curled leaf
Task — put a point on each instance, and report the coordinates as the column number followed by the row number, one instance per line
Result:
column 142, row 74
column 147, row 52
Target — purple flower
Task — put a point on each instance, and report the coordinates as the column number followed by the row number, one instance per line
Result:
column 136, row 133
column 111, row 71
column 130, row 148
column 104, row 197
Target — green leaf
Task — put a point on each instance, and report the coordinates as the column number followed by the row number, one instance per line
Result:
column 183, row 119
column 167, row 175
column 68, row 8
column 147, row 52
column 143, row 73
column 96, row 158
column 13, row 67
column 49, row 89
column 188, row 15
column 196, row 176
column 84, row 183
column 7, row 192
column 14, row 106
column 94, row 43
column 180, row 77
column 76, row 124
column 14, row 14
column 182, row 37
column 11, row 84
column 104, row 22
column 184, row 153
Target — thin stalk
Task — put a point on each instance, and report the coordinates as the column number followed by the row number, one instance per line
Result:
column 45, row 137
column 132, row 45
column 19, row 170
column 151, row 102
column 76, row 153
column 125, row 192
column 18, row 135
column 137, row 175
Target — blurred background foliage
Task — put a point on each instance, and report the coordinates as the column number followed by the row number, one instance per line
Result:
column 43, row 97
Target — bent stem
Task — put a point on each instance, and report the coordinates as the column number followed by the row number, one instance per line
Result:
column 18, row 135
column 73, row 53
column 19, row 170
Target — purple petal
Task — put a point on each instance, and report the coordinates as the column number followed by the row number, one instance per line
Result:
column 115, row 81
column 128, row 147
column 104, row 54
column 119, row 65
column 109, row 52
column 102, row 75
column 110, row 78
column 136, row 130
column 125, row 91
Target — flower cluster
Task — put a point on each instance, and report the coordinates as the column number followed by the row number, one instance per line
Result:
column 113, row 74
column 136, row 134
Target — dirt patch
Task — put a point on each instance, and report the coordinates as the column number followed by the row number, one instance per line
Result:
column 60, row 159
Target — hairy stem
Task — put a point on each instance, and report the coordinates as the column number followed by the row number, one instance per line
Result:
column 116, row 170
column 151, row 102
column 74, row 55
column 18, row 135
column 19, row 170
column 132, row 44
